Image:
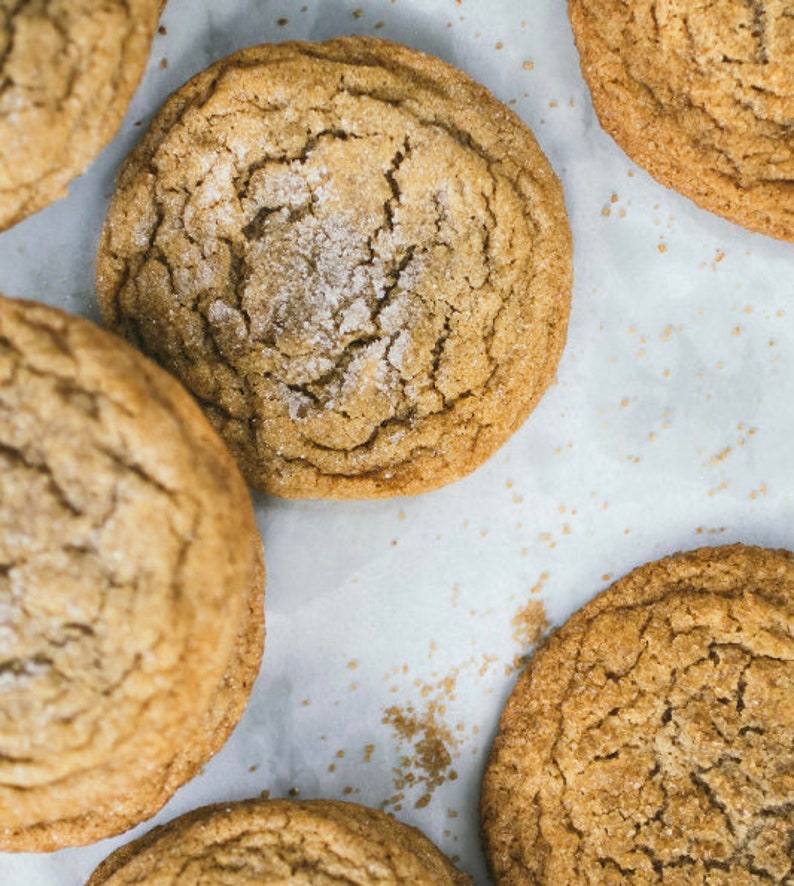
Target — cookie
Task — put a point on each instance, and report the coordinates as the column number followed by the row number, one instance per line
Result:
column 649, row 739
column 68, row 69
column 131, row 583
column 354, row 256
column 281, row 841
column 699, row 95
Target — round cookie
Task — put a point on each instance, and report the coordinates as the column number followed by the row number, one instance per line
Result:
column 280, row 841
column 131, row 583
column 352, row 254
column 699, row 95
column 68, row 69
column 649, row 739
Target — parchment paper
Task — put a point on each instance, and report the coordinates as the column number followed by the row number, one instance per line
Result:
column 395, row 628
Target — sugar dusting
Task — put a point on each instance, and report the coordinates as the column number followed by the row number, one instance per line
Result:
column 329, row 288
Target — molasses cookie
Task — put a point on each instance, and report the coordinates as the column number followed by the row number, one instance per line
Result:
column 649, row 740
column 354, row 256
column 280, row 841
column 699, row 95
column 68, row 69
column 131, row 583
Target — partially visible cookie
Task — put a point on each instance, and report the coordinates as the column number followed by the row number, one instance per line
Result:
column 131, row 582
column 354, row 256
column 700, row 95
column 68, row 69
column 650, row 739
column 281, row 841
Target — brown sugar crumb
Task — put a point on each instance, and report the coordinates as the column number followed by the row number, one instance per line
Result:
column 430, row 743
column 282, row 21
column 529, row 625
column 162, row 30
column 538, row 586
column 720, row 456
column 369, row 749
column 265, row 794
column 294, row 792
column 357, row 13
column 662, row 247
column 429, row 762
column 528, row 65
column 163, row 62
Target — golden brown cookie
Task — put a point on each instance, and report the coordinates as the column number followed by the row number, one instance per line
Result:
column 650, row 739
column 353, row 255
column 700, row 95
column 319, row 842
column 68, row 69
column 131, row 583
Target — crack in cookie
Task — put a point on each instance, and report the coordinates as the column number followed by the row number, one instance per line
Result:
column 130, row 583
column 268, row 841
column 699, row 94
column 355, row 258
column 652, row 733
column 67, row 73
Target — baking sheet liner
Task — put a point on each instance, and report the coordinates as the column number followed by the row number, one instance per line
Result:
column 396, row 628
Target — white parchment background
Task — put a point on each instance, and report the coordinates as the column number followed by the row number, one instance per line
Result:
column 670, row 427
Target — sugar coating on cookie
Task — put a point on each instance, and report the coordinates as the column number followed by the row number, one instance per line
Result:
column 280, row 841
column 649, row 740
column 68, row 69
column 699, row 94
column 352, row 254
column 131, row 583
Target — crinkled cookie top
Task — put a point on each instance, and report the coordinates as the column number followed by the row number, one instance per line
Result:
column 353, row 255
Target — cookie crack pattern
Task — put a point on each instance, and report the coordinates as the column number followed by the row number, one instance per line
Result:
column 267, row 841
column 8, row 33
column 675, row 758
column 339, row 270
column 124, row 592
column 67, row 71
column 718, row 77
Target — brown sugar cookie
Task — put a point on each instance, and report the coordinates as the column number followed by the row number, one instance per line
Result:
column 352, row 254
column 131, row 582
column 700, row 95
column 281, row 841
column 650, row 739
column 68, row 69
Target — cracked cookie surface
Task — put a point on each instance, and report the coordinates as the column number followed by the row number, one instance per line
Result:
column 131, row 582
column 318, row 842
column 68, row 69
column 699, row 94
column 356, row 259
column 649, row 740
